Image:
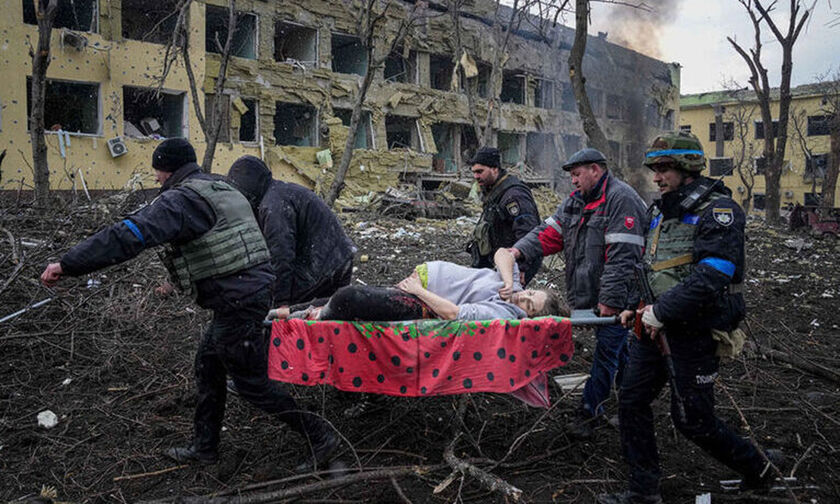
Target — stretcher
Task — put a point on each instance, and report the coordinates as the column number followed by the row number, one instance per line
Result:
column 426, row 357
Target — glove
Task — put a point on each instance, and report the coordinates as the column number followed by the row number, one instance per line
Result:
column 648, row 318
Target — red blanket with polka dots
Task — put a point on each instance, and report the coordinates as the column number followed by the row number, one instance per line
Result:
column 424, row 357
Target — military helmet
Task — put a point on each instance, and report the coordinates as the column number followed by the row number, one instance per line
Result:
column 585, row 156
column 678, row 147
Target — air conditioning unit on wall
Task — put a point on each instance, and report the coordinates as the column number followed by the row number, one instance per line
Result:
column 117, row 146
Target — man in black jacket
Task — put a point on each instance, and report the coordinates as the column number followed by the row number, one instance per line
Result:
column 215, row 251
column 509, row 212
column 310, row 254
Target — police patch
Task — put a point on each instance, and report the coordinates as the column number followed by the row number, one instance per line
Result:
column 723, row 216
column 513, row 208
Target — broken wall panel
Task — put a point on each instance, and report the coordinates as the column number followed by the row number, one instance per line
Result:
column 69, row 106
column 348, row 54
column 149, row 21
column 295, row 124
column 244, row 41
column 294, row 42
column 364, row 131
column 149, row 114
column 78, row 15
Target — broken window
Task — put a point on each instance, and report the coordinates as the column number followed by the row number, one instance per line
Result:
column 401, row 132
column 758, row 201
column 78, row 15
column 759, row 129
column 444, row 160
column 248, row 123
column 815, row 166
column 513, row 87
column 364, row 132
column 295, row 124
column 401, row 66
column 147, row 113
column 571, row 144
column 719, row 167
column 510, row 147
column 479, row 83
column 348, row 55
column 544, row 94
column 567, row 98
column 685, row 128
column 541, row 153
column 615, row 106
column 440, row 71
column 728, row 131
column 149, row 21
column 819, row 125
column 209, row 113
column 68, row 106
column 293, row 42
column 469, row 144
column 244, row 41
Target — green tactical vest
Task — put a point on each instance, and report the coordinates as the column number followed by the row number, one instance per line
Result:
column 670, row 246
column 233, row 244
column 491, row 213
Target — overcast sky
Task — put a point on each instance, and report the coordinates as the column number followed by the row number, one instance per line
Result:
column 695, row 36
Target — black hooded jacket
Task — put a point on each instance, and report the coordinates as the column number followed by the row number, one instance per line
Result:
column 306, row 240
column 177, row 216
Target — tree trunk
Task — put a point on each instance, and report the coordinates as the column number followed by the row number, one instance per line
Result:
column 45, row 11
column 830, row 181
column 211, row 134
column 347, row 154
column 593, row 131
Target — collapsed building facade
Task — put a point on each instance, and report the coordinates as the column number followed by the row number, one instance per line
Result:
column 291, row 84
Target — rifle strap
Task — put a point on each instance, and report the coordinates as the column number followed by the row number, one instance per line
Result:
column 672, row 262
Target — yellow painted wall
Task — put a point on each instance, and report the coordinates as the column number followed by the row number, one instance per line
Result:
column 793, row 182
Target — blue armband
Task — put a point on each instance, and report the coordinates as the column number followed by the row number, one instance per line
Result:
column 722, row 265
column 135, row 231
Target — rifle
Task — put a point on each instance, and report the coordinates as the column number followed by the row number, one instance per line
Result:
column 640, row 272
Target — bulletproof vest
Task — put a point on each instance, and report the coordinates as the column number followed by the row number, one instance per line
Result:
column 492, row 215
column 670, row 246
column 233, row 244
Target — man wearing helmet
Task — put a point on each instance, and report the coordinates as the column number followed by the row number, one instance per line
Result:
column 600, row 229
column 694, row 254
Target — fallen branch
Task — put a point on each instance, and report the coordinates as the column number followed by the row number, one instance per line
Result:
column 147, row 474
column 802, row 364
column 491, row 481
column 301, row 490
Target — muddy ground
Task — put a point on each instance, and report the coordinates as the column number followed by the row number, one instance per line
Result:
column 114, row 362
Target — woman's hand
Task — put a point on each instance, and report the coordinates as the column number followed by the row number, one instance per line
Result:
column 411, row 284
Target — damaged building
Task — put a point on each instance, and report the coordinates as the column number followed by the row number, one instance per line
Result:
column 293, row 78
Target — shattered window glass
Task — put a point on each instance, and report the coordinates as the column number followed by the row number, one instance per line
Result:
column 68, row 106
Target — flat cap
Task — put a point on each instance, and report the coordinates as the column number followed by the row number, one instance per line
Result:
column 585, row 156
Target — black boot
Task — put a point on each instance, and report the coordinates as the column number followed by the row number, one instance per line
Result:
column 582, row 426
column 629, row 497
column 190, row 455
column 765, row 479
column 321, row 445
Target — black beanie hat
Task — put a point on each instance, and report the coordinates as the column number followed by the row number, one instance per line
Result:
column 251, row 176
column 487, row 156
column 172, row 154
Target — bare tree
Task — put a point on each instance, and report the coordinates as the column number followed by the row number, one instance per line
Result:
column 210, row 121
column 470, row 83
column 593, row 130
column 741, row 115
column 799, row 123
column 831, row 109
column 371, row 18
column 774, row 146
column 45, row 11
